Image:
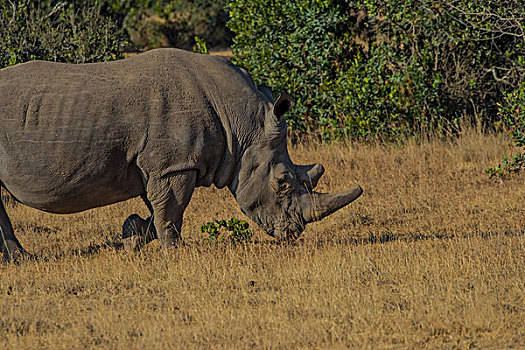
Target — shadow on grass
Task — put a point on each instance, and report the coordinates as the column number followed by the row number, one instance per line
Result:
column 205, row 244
column 94, row 249
column 388, row 237
column 370, row 239
column 91, row 250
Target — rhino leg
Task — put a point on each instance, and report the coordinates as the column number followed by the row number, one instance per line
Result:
column 9, row 244
column 137, row 232
column 169, row 197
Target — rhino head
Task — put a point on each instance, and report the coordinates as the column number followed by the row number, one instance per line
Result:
column 273, row 191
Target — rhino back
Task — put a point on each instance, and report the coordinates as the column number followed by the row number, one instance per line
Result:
column 73, row 137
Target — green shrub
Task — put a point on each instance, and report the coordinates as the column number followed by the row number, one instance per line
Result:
column 239, row 231
column 56, row 31
column 394, row 67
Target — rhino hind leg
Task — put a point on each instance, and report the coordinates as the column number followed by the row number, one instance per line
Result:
column 137, row 232
column 9, row 244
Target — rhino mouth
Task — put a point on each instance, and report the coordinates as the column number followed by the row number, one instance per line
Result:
column 282, row 230
column 285, row 231
column 287, row 236
column 291, row 236
column 270, row 233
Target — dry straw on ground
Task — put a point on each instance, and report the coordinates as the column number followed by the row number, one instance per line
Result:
column 431, row 256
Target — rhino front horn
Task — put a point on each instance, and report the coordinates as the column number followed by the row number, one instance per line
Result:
column 321, row 205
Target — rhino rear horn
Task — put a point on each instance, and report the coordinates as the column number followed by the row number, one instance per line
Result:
column 320, row 205
column 309, row 175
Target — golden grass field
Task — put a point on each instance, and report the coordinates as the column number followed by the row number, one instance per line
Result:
column 431, row 256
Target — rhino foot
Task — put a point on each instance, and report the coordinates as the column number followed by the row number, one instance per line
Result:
column 14, row 253
column 137, row 232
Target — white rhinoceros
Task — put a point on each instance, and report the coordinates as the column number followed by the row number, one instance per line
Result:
column 76, row 137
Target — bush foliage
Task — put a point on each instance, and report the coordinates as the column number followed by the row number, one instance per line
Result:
column 56, row 31
column 98, row 30
column 155, row 23
column 512, row 112
column 382, row 68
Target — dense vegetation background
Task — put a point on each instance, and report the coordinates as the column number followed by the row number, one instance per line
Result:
column 360, row 69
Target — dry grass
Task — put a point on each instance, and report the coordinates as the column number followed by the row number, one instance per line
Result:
column 431, row 256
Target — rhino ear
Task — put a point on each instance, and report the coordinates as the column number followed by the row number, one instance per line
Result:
column 282, row 106
column 266, row 91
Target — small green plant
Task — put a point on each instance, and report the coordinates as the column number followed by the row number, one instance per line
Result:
column 200, row 46
column 512, row 112
column 239, row 231
column 514, row 165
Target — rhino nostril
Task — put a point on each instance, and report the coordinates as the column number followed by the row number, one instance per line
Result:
column 270, row 233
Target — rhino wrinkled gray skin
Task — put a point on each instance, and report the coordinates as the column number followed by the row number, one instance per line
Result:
column 76, row 137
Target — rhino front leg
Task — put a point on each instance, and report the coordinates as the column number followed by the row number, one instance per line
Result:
column 9, row 245
column 169, row 196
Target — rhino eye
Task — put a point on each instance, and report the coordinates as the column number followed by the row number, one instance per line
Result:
column 285, row 177
column 252, row 206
